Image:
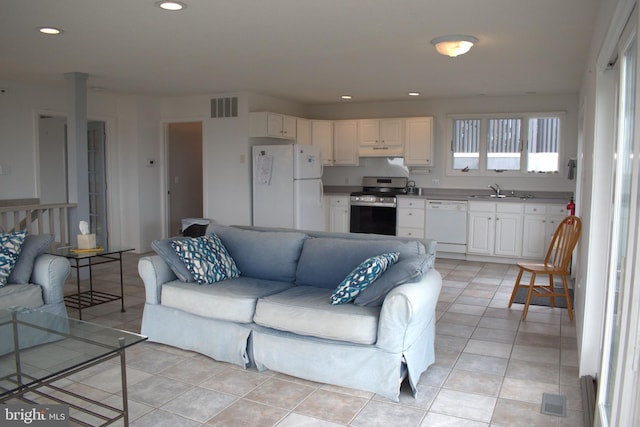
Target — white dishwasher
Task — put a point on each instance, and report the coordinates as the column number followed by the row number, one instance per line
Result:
column 446, row 222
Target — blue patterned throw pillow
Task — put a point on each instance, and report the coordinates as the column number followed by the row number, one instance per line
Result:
column 362, row 276
column 206, row 258
column 10, row 247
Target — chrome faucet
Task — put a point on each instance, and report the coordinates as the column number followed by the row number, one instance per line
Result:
column 496, row 189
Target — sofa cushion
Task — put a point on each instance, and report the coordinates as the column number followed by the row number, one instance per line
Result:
column 10, row 246
column 165, row 250
column 405, row 271
column 325, row 262
column 306, row 310
column 270, row 255
column 34, row 245
column 21, row 295
column 206, row 259
column 362, row 277
column 233, row 300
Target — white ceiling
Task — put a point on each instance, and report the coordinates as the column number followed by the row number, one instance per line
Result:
column 311, row 51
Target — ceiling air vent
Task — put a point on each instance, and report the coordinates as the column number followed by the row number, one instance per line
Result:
column 224, row 107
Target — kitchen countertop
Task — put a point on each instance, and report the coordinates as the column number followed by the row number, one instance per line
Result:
column 456, row 194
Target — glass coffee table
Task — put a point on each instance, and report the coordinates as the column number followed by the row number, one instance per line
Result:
column 38, row 349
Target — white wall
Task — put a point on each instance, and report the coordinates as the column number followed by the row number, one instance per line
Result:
column 440, row 108
column 52, row 160
column 140, row 188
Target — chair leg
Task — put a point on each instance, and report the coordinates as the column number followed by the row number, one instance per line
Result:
column 551, row 291
column 567, row 297
column 516, row 287
column 526, row 304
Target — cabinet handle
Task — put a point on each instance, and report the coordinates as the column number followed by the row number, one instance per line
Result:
column 410, row 214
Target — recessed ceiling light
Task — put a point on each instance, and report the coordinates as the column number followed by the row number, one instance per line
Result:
column 346, row 97
column 171, row 5
column 414, row 93
column 50, row 30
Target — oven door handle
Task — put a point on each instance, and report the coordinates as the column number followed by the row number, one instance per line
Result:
column 374, row 204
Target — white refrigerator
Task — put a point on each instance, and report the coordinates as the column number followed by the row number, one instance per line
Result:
column 287, row 189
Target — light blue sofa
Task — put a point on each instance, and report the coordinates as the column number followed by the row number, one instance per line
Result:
column 277, row 314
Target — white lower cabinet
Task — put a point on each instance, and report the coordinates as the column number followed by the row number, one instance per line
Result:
column 539, row 225
column 338, row 213
column 495, row 228
column 410, row 221
column 512, row 230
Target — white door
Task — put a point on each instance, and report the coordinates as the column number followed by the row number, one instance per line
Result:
column 308, row 212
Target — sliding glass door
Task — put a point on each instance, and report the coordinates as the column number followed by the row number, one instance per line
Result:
column 618, row 382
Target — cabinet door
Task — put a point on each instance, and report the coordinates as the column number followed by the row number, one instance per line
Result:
column 339, row 214
column 345, row 139
column 418, row 141
column 412, row 218
column 274, row 125
column 534, row 236
column 288, row 127
column 322, row 137
column 303, row 131
column 481, row 233
column 368, row 132
column 391, row 131
column 508, row 235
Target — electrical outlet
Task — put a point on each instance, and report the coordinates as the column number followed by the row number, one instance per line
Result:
column 435, row 181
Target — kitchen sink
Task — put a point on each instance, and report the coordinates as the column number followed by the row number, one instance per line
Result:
column 501, row 196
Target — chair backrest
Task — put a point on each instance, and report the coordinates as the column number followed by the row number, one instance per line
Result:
column 564, row 241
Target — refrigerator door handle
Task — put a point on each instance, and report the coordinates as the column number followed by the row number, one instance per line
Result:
column 321, row 193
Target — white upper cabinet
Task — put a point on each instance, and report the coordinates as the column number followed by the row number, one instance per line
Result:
column 322, row 137
column 381, row 137
column 303, row 131
column 272, row 125
column 418, row 141
column 345, row 143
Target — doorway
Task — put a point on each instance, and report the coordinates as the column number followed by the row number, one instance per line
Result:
column 53, row 169
column 184, row 177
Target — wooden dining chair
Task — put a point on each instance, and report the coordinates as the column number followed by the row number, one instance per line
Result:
column 556, row 263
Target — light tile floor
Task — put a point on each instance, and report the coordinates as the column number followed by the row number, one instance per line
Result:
column 491, row 368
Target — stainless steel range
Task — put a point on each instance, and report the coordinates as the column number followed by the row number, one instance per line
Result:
column 373, row 210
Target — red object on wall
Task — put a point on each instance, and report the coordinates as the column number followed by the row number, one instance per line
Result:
column 571, row 207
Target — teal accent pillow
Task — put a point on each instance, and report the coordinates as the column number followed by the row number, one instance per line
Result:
column 404, row 271
column 206, row 258
column 10, row 247
column 34, row 245
column 362, row 276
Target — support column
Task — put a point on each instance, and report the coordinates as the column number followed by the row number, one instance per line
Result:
column 77, row 151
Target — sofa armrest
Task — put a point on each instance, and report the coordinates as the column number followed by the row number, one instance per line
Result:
column 407, row 310
column 50, row 272
column 154, row 272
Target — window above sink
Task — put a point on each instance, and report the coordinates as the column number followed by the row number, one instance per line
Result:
column 512, row 144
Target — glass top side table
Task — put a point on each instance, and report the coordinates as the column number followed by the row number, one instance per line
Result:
column 81, row 259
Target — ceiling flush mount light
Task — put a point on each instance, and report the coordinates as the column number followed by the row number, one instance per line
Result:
column 454, row 45
column 171, row 5
column 414, row 94
column 346, row 97
column 52, row 31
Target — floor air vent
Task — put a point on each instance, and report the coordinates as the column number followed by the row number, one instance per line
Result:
column 224, row 107
column 554, row 404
